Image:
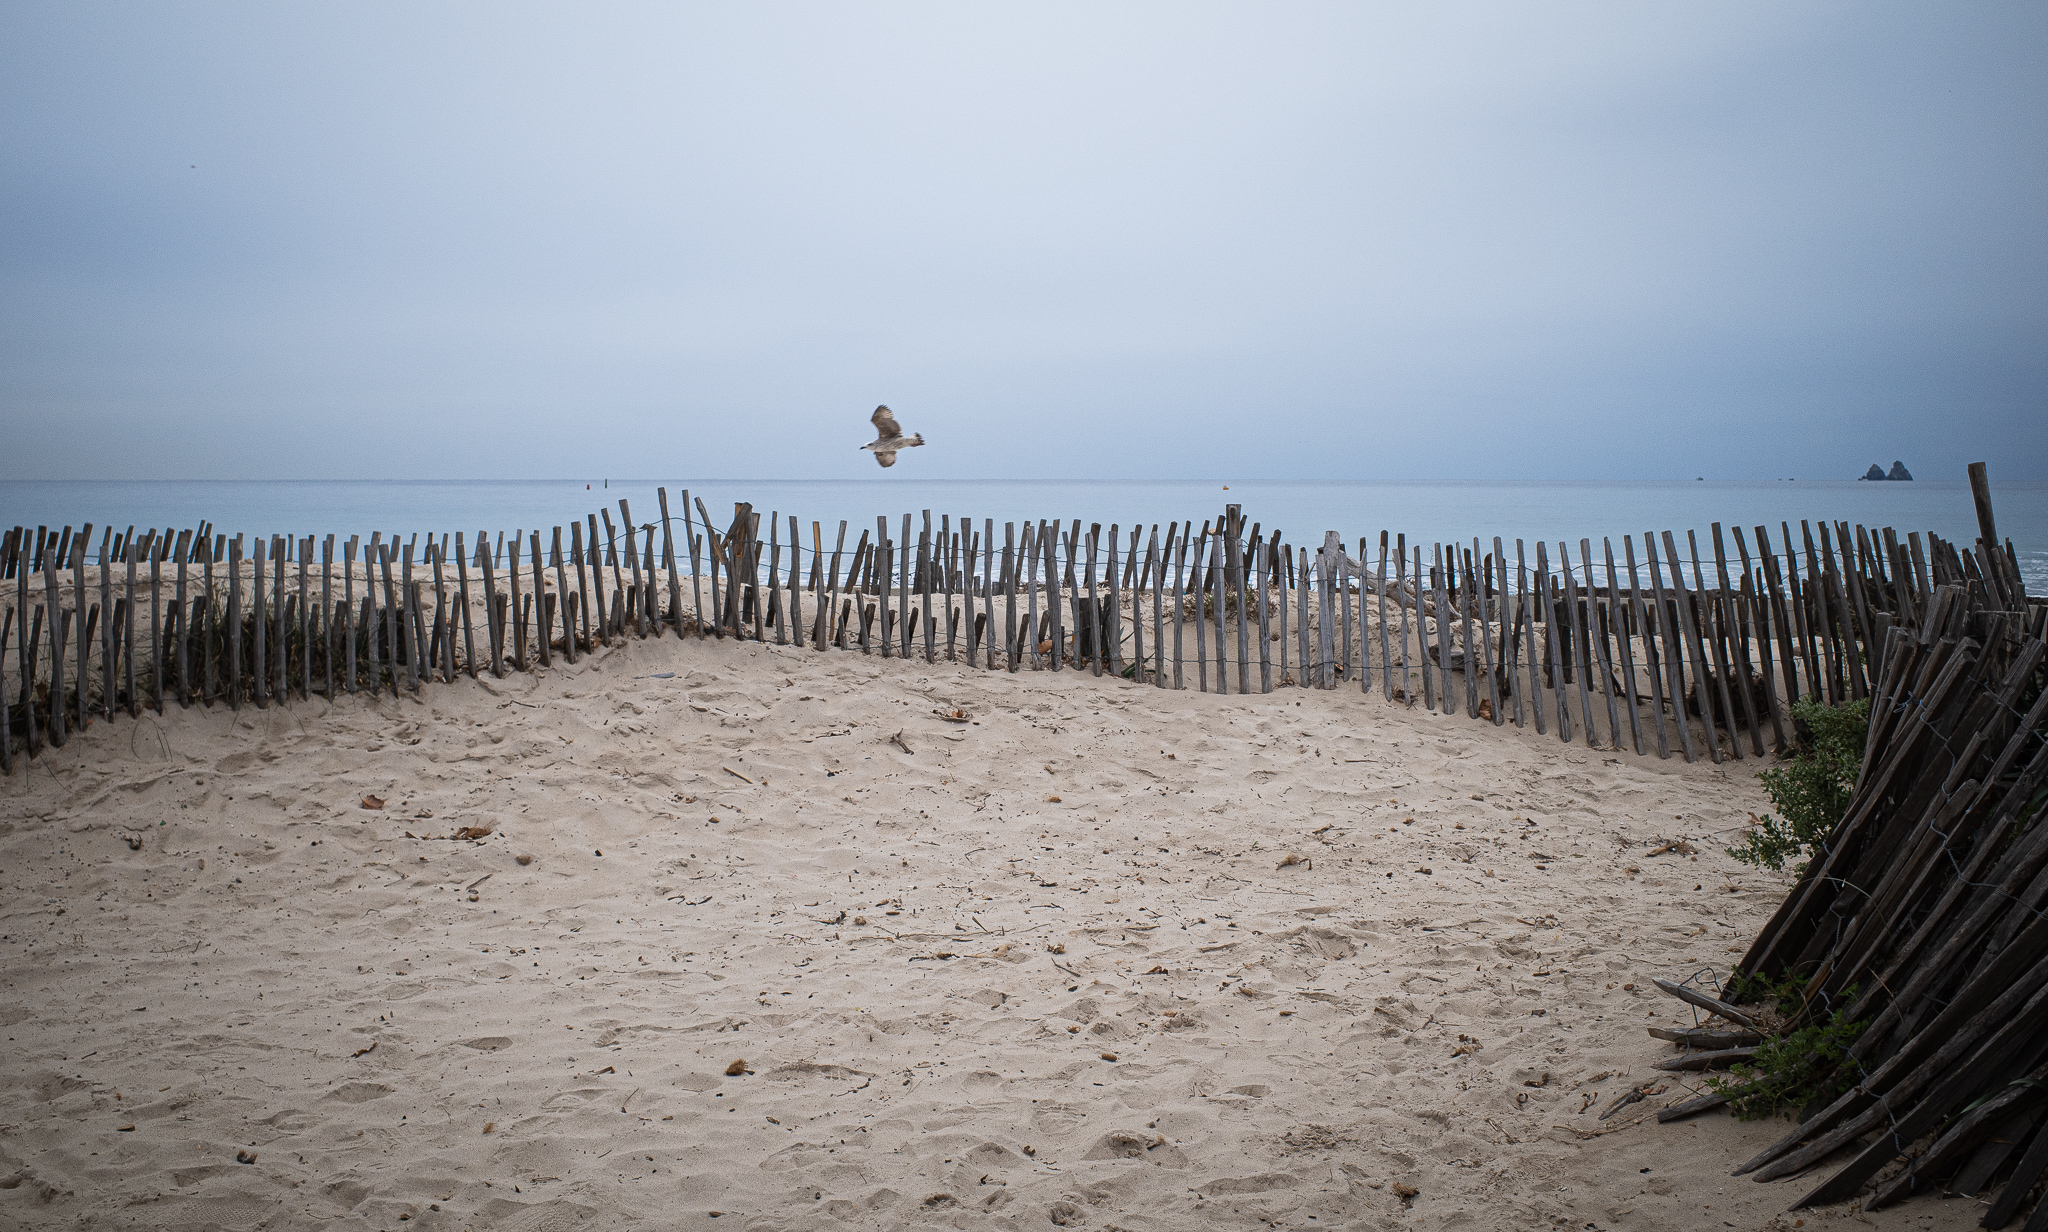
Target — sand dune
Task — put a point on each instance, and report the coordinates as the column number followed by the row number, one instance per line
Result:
column 758, row 939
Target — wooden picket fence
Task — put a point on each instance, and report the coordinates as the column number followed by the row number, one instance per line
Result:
column 1692, row 651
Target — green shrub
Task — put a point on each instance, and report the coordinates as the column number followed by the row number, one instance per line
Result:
column 1791, row 1071
column 1812, row 790
column 1785, row 996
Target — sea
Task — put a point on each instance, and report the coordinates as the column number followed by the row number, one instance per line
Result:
column 1425, row 512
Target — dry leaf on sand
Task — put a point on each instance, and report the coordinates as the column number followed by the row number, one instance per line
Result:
column 373, row 802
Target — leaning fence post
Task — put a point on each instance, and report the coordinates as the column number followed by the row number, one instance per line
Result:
column 1650, row 662
column 1669, row 629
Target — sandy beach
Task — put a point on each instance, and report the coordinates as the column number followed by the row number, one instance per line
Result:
column 756, row 937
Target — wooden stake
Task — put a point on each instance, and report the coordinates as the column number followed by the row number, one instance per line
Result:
column 517, row 602
column 829, row 634
column 1772, row 598
column 411, row 630
column 1480, row 587
column 260, row 619
column 234, row 618
column 494, row 624
column 1578, row 619
column 159, row 648
column 1554, row 655
column 696, row 590
column 110, row 633
column 1197, row 589
column 1234, row 583
column 1156, row 559
column 1217, row 586
column 1650, row 632
column 281, row 623
column 1111, row 613
column 128, row 682
column 1016, row 557
column 25, row 648
column 184, row 559
column 1510, row 644
column 7, row 710
column 1706, row 606
column 1054, row 618
column 1686, row 639
column 1283, row 569
column 988, row 593
column 605, row 555
column 1463, row 598
column 668, row 563
column 394, row 615
column 1624, row 643
column 60, row 706
column 1440, row 582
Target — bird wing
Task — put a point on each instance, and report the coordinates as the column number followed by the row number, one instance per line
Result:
column 887, row 457
column 885, row 423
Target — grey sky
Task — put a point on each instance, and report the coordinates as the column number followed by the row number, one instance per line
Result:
column 1262, row 241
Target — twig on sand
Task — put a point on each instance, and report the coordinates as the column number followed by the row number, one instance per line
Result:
column 1639, row 1093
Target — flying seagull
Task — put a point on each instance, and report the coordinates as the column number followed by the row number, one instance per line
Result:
column 891, row 437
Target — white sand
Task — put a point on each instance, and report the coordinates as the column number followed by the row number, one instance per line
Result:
column 392, row 1024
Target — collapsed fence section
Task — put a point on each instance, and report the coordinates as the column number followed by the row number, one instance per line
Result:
column 1696, row 651
column 1920, row 928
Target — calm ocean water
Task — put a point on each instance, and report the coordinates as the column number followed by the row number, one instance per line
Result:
column 1429, row 511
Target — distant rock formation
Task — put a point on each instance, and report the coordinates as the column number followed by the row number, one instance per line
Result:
column 1875, row 472
column 1899, row 471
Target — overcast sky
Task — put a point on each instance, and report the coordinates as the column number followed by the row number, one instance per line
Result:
column 1178, row 241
